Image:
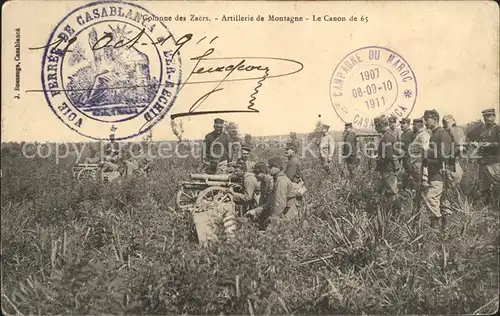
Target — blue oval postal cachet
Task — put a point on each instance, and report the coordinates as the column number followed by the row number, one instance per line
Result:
column 108, row 64
column 369, row 82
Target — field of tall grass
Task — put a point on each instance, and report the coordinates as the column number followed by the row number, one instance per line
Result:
column 122, row 248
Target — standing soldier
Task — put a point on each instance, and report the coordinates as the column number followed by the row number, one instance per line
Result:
column 439, row 163
column 294, row 170
column 387, row 161
column 216, row 153
column 245, row 159
column 406, row 139
column 326, row 148
column 489, row 163
column 394, row 129
column 282, row 203
column 458, row 140
column 112, row 155
column 417, row 150
column 350, row 149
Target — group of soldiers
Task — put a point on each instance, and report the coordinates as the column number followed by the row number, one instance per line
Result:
column 113, row 159
column 422, row 156
column 271, row 191
column 425, row 158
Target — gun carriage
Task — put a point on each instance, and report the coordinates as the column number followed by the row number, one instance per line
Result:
column 93, row 172
column 204, row 189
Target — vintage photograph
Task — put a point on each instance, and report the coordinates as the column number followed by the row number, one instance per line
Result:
column 250, row 157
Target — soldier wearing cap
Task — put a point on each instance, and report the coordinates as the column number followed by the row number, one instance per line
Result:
column 282, row 203
column 112, row 155
column 393, row 121
column 439, row 161
column 407, row 137
column 326, row 148
column 294, row 167
column 350, row 149
column 387, row 162
column 489, row 163
column 216, row 152
column 417, row 151
column 247, row 199
column 458, row 146
column 245, row 159
column 265, row 188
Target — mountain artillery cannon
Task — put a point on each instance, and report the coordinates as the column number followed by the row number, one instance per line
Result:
column 93, row 172
column 209, row 200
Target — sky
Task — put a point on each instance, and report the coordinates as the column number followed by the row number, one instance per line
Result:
column 451, row 48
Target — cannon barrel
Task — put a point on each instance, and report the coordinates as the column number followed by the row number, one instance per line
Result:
column 211, row 177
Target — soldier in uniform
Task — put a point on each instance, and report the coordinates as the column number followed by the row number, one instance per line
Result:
column 406, row 139
column 261, row 172
column 326, row 148
column 247, row 199
column 245, row 159
column 282, row 203
column 139, row 163
column 489, row 163
column 417, row 150
column 387, row 162
column 350, row 149
column 216, row 152
column 112, row 155
column 294, row 167
column 394, row 129
column 458, row 138
column 439, row 161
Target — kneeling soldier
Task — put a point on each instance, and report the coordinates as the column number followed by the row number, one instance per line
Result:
column 282, row 203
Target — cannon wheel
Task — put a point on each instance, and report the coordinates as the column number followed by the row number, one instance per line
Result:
column 212, row 195
column 87, row 174
column 185, row 198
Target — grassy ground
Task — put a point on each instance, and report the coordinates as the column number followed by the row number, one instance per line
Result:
column 83, row 248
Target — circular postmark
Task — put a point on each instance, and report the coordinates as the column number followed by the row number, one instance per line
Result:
column 109, row 66
column 369, row 82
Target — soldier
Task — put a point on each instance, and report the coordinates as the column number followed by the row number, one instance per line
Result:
column 326, row 148
column 261, row 172
column 407, row 138
column 294, row 167
column 245, row 159
column 489, row 163
column 139, row 163
column 387, row 162
column 112, row 155
column 394, row 129
column 350, row 149
column 417, row 150
column 247, row 199
column 438, row 160
column 216, row 153
column 282, row 203
column 458, row 140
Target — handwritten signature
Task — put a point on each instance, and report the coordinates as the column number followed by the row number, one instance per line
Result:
column 228, row 66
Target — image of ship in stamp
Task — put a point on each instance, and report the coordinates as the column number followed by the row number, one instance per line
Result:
column 103, row 66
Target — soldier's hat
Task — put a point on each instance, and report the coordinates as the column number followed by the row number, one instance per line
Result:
column 326, row 126
column 381, row 120
column 418, row 120
column 488, row 112
column 405, row 120
column 246, row 148
column 431, row 114
column 291, row 145
column 448, row 118
column 348, row 125
column 392, row 119
column 218, row 121
column 260, row 167
column 275, row 162
column 238, row 164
